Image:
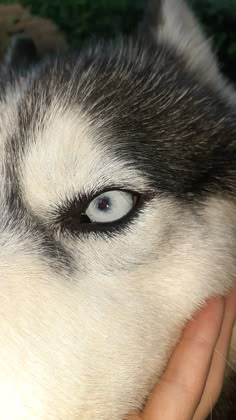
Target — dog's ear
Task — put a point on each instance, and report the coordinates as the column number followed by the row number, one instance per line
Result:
column 172, row 22
column 21, row 54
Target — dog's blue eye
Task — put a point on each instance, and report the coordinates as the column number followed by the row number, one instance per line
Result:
column 110, row 207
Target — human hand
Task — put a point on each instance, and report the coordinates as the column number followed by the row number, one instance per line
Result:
column 192, row 382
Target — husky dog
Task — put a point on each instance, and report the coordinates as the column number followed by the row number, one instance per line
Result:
column 118, row 217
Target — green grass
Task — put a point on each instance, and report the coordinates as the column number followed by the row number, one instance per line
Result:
column 80, row 19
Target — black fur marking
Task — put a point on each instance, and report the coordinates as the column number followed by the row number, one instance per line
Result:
column 143, row 98
column 22, row 53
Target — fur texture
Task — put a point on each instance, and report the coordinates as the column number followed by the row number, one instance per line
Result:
column 90, row 313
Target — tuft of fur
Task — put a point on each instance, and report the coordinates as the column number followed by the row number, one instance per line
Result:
column 90, row 314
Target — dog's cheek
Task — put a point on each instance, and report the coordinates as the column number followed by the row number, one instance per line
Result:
column 67, row 350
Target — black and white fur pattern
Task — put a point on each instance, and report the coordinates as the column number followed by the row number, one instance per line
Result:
column 90, row 314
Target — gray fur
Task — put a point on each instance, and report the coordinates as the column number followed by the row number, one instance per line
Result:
column 91, row 312
column 173, row 23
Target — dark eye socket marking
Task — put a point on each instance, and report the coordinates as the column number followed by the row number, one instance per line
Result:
column 71, row 216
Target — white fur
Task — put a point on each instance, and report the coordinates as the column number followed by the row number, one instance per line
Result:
column 68, row 143
column 93, row 345
column 90, row 343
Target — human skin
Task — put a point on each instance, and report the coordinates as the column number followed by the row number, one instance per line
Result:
column 192, row 382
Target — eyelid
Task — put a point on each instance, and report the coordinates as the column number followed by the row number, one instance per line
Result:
column 67, row 215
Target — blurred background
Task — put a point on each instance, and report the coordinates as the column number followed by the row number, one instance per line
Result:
column 56, row 24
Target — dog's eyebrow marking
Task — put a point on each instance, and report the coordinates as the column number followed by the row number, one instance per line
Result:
column 60, row 259
column 55, row 165
column 20, row 225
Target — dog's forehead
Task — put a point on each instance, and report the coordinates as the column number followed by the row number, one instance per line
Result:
column 66, row 157
column 126, row 117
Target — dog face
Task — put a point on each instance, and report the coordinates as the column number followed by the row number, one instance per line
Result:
column 117, row 223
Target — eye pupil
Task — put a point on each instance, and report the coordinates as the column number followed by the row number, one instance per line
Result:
column 104, row 204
